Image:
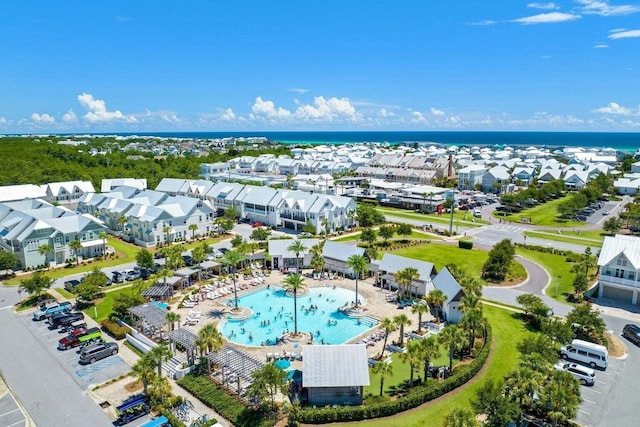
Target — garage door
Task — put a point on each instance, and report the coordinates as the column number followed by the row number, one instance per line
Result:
column 618, row 294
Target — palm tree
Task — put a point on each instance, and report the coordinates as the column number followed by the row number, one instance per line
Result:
column 453, row 338
column 103, row 235
column 166, row 229
column 412, row 357
column 209, row 340
column 384, row 370
column 45, row 250
column 297, row 247
column 404, row 279
column 160, row 388
column 294, row 283
column 429, row 350
column 472, row 321
column 436, row 300
column 160, row 354
column 461, row 417
column 325, row 225
column 524, row 384
column 122, row 220
column 193, row 228
column 401, row 321
column 144, row 370
column 232, row 259
column 424, row 201
column 163, row 273
column 76, row 246
column 388, row 326
column 198, row 255
column 419, row 308
column 431, row 194
column 359, row 265
column 317, row 263
column 172, row 317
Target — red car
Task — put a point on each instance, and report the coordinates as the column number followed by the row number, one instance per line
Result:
column 257, row 224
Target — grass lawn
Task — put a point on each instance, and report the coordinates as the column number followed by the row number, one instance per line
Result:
column 470, row 261
column 566, row 237
column 544, row 214
column 415, row 234
column 507, row 332
column 559, row 270
column 65, row 293
column 104, row 306
column 461, row 217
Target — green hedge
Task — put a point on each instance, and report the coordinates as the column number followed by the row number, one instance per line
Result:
column 114, row 329
column 465, row 244
column 220, row 401
column 416, row 396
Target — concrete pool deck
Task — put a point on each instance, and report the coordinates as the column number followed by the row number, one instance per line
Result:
column 377, row 306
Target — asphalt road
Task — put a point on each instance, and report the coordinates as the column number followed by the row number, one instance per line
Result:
column 47, row 391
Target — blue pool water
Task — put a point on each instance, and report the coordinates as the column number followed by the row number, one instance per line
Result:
column 273, row 315
column 160, row 304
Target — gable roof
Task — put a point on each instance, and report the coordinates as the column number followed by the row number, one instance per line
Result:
column 335, row 366
column 613, row 246
column 278, row 247
column 340, row 251
column 392, row 263
column 449, row 286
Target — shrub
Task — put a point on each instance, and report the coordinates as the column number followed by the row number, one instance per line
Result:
column 465, row 244
column 114, row 329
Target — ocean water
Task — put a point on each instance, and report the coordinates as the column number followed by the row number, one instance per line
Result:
column 619, row 141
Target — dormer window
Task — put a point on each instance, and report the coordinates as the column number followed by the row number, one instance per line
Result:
column 622, row 262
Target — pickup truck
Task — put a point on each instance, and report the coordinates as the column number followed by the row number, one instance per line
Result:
column 51, row 309
column 78, row 337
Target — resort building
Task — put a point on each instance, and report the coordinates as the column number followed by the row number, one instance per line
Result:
column 391, row 264
column 10, row 193
column 282, row 258
column 453, row 292
column 619, row 264
column 67, row 192
column 27, row 225
column 335, row 374
column 108, row 185
column 336, row 254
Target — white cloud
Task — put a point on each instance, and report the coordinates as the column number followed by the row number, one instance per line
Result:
column 614, row 108
column 69, row 116
column 436, row 112
column 484, row 23
column 299, row 90
column 328, row 110
column 600, row 46
column 625, row 34
column 603, row 8
column 544, row 6
column 98, row 110
column 547, row 18
column 2, row 120
column 267, row 108
column 42, row 118
column 417, row 117
column 228, row 115
column 385, row 113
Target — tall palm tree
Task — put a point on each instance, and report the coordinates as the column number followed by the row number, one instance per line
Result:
column 419, row 308
column 166, row 229
column 472, row 321
column 193, row 228
column 453, row 338
column 144, row 370
column 232, row 259
column 412, row 357
column 297, row 247
column 431, row 194
column 103, row 236
column 388, row 326
column 429, row 350
column 198, row 255
column 172, row 317
column 210, row 340
column 360, row 266
column 524, row 383
column 160, row 388
column 424, row 201
column 401, row 320
column 122, row 220
column 294, row 283
column 45, row 250
column 384, row 370
column 160, row 354
column 76, row 246
column 404, row 278
column 317, row 263
column 436, row 300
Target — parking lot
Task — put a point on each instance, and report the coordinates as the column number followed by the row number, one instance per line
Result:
column 84, row 375
column 594, row 396
column 10, row 413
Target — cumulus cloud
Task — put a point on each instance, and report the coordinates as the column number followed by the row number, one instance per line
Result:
column 2, row 120
column 417, row 117
column 603, row 8
column 625, row 34
column 328, row 110
column 436, row 112
column 98, row 110
column 385, row 113
column 299, row 90
column 614, row 108
column 543, row 6
column 228, row 115
column 547, row 18
column 42, row 118
column 69, row 117
column 268, row 109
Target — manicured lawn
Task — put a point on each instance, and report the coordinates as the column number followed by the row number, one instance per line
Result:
column 65, row 293
column 544, row 214
column 507, row 332
column 461, row 217
column 566, row 237
column 559, row 270
column 470, row 261
column 415, row 234
column 104, row 306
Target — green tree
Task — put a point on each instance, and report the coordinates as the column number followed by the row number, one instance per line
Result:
column 367, row 215
column 297, row 247
column 612, row 225
column 587, row 324
column 237, row 241
column 144, row 259
column 76, row 246
column 420, row 308
column 388, row 326
column 122, row 220
column 317, row 262
column 360, row 266
column 260, row 233
column 383, row 369
column 371, row 253
column 436, row 299
column 198, row 255
column 267, row 382
column 497, row 266
column 8, row 260
column 232, row 259
column 524, row 383
column 404, row 278
column 36, row 283
column 294, row 283
column 429, row 350
column 193, row 228
column 172, row 317
column 535, row 310
column 491, row 401
column 453, row 338
column 122, row 301
column 44, row 250
column 166, row 230
column 144, row 370
column 90, row 286
column 558, row 330
column 160, row 354
column 209, row 340
column 386, row 232
column 103, row 235
column 226, row 224
column 368, row 235
column 404, row 230
column 412, row 357
column 231, row 213
column 560, row 397
column 401, row 320
column 159, row 388
column 580, row 285
column 461, row 417
column 539, row 344
column 308, row 227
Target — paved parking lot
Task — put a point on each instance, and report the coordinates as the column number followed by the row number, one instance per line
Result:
column 594, row 396
column 10, row 413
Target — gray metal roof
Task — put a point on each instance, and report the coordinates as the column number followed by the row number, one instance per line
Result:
column 158, row 291
column 392, row 263
column 340, row 251
column 448, row 285
column 335, row 365
column 183, row 336
column 278, row 247
column 620, row 244
column 150, row 313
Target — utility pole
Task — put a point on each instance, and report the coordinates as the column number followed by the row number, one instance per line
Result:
column 451, row 196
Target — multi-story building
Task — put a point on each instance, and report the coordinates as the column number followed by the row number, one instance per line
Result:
column 619, row 264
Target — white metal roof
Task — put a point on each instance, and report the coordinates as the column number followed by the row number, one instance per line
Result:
column 335, row 365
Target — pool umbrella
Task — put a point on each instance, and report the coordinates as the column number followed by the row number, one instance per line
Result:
column 282, row 364
column 295, row 375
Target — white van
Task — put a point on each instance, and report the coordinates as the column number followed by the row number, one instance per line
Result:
column 594, row 355
column 477, row 213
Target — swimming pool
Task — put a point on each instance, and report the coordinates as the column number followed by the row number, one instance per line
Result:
column 273, row 316
column 159, row 304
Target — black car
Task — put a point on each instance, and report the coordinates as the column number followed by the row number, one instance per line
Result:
column 70, row 285
column 65, row 321
column 632, row 333
column 188, row 260
column 117, row 277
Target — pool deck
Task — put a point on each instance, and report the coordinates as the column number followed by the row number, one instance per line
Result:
column 377, row 307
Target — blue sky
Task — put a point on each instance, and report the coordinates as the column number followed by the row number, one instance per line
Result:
column 71, row 66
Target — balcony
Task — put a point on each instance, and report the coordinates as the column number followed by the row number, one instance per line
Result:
column 293, row 217
column 632, row 283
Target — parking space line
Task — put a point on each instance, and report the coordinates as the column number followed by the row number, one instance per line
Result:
column 591, row 389
column 19, row 422
column 587, row 400
column 584, row 412
column 5, row 307
column 7, row 413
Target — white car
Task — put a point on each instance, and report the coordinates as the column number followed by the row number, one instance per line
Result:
column 605, row 212
column 586, row 376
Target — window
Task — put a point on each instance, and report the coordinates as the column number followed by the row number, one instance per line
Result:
column 582, row 352
column 622, row 262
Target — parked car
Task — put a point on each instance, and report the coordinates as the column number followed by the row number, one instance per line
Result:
column 257, row 224
column 71, row 285
column 188, row 260
column 605, row 212
column 66, row 320
column 117, row 277
column 586, row 376
column 95, row 352
column 79, row 336
column 632, row 333
column 48, row 308
column 130, row 275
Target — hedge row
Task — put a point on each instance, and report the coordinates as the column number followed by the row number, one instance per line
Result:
column 416, row 397
column 221, row 402
column 569, row 255
column 114, row 329
column 465, row 244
